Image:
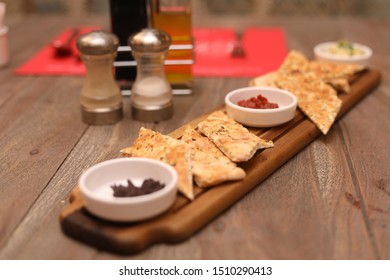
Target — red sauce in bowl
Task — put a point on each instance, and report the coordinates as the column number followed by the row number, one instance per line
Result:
column 258, row 102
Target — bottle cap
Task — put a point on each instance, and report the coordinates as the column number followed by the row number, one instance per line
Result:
column 150, row 40
column 97, row 43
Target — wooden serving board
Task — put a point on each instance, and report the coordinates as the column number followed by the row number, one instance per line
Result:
column 185, row 218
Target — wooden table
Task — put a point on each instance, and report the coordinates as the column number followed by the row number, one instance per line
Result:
column 330, row 201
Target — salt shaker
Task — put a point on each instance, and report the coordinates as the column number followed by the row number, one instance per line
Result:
column 101, row 99
column 151, row 94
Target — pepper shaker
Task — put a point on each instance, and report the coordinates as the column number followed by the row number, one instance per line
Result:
column 151, row 94
column 101, row 99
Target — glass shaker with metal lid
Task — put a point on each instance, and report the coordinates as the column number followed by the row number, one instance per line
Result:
column 151, row 94
column 101, row 99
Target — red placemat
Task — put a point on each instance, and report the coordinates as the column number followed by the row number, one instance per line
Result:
column 265, row 50
column 45, row 62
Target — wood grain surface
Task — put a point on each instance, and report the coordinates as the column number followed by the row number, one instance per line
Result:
column 330, row 201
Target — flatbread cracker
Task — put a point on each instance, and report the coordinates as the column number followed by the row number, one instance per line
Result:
column 339, row 84
column 209, row 165
column 294, row 62
column 267, row 80
column 320, row 103
column 317, row 100
column 233, row 139
column 315, row 83
column 334, row 74
column 327, row 70
column 151, row 144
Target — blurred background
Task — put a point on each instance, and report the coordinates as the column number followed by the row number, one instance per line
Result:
column 376, row 9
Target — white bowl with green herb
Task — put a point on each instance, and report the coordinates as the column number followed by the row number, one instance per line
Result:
column 343, row 51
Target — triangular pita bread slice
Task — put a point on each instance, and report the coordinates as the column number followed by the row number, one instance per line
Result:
column 209, row 165
column 328, row 70
column 266, row 80
column 314, row 83
column 151, row 144
column 339, row 84
column 316, row 99
column 233, row 139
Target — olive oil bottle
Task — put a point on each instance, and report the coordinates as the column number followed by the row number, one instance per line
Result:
column 175, row 18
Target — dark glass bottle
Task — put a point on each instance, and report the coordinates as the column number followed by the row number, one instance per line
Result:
column 127, row 18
